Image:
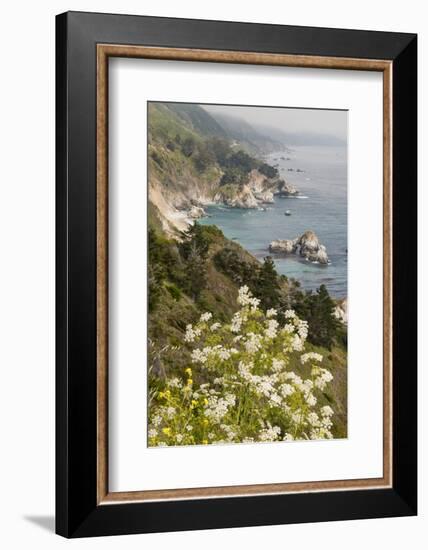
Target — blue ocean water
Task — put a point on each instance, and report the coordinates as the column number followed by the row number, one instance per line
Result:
column 321, row 207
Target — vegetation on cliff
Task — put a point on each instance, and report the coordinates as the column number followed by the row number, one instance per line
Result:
column 202, row 274
column 237, row 352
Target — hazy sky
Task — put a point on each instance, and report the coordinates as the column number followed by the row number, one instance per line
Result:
column 293, row 121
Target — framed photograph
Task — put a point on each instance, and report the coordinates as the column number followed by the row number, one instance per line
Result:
column 236, row 274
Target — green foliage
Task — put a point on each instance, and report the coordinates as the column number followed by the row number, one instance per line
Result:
column 156, row 157
column 234, row 175
column 240, row 387
column 268, row 170
column 196, row 117
column 188, row 146
column 266, row 285
column 242, row 161
column 317, row 308
column 194, row 250
column 174, row 291
column 204, row 157
column 220, row 148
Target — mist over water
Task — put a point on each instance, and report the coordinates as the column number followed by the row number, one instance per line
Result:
column 321, row 207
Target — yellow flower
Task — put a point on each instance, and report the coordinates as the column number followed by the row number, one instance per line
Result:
column 205, row 422
column 193, row 404
column 205, row 442
column 188, row 371
column 166, row 431
column 189, row 382
column 205, row 401
column 166, row 394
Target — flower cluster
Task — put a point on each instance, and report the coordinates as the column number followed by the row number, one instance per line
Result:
column 239, row 386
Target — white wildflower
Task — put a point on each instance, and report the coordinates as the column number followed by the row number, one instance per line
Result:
column 290, row 314
column 236, row 322
column 271, row 313
column 286, row 389
column 277, row 364
column 297, row 343
column 313, row 419
column 170, row 412
column 205, row 317
column 310, row 399
column 199, row 356
column 215, row 326
column 323, row 378
column 302, row 329
column 191, row 333
column 327, row 411
column 288, row 328
column 174, row 383
column 156, row 420
column 270, row 331
column 275, row 399
column 310, row 355
column 270, row 433
column 253, row 342
column 244, row 295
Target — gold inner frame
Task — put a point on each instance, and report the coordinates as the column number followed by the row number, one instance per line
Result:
column 104, row 51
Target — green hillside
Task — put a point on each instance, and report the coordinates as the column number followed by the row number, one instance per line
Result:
column 199, row 272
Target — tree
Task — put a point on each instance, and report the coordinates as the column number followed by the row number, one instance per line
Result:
column 241, row 160
column 204, row 157
column 266, row 285
column 318, row 309
column 220, row 148
column 194, row 250
column 188, row 146
column 268, row 170
column 156, row 271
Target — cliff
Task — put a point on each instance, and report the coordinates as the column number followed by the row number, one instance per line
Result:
column 192, row 163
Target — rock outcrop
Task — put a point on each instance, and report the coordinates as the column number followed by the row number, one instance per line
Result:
column 341, row 311
column 284, row 246
column 196, row 212
column 265, row 197
column 307, row 246
column 285, row 189
column 257, row 191
column 312, row 249
column 237, row 198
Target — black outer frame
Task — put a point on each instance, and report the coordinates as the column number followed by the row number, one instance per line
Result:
column 77, row 513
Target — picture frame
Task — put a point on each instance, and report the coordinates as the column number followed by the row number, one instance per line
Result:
column 84, row 44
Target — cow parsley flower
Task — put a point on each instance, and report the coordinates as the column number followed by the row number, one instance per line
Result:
column 205, row 317
column 327, row 411
column 271, row 313
column 290, row 314
column 310, row 355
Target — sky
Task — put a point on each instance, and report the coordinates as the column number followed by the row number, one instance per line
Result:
column 291, row 121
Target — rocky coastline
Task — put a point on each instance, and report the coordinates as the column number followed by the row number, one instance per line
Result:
column 177, row 209
column 306, row 246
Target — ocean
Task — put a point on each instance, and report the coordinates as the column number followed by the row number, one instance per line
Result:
column 321, row 207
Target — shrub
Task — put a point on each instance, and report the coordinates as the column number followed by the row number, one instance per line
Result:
column 238, row 386
column 174, row 291
column 268, row 170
